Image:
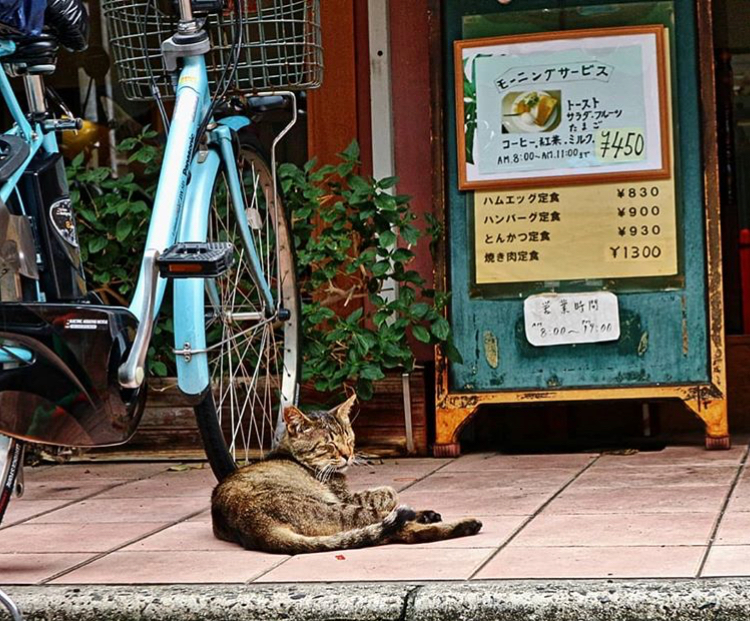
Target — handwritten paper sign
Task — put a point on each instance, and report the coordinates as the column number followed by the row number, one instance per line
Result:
column 563, row 107
column 564, row 319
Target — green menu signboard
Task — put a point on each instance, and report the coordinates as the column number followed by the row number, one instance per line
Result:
column 582, row 203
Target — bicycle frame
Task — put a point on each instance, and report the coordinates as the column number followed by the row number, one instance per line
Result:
column 180, row 214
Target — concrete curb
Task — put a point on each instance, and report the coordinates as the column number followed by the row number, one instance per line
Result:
column 613, row 600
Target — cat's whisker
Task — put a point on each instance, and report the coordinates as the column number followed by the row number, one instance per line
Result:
column 319, row 472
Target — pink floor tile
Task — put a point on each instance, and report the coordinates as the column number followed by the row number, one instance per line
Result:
column 381, row 563
column 399, row 482
column 495, row 461
column 649, row 529
column 198, row 483
column 31, row 568
column 640, row 500
column 727, row 561
column 605, row 562
column 656, row 475
column 122, row 510
column 178, row 566
column 477, row 502
column 203, row 516
column 21, row 509
column 543, row 479
column 184, row 536
column 61, row 489
column 93, row 471
column 740, row 500
column 675, row 455
column 37, row 538
column 734, row 529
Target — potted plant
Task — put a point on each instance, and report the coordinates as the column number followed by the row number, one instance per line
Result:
column 361, row 301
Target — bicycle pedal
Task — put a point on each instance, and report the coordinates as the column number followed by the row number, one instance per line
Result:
column 196, row 260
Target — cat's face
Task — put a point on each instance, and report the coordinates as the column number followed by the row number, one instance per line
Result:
column 322, row 441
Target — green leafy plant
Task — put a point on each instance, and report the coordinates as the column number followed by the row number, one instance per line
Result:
column 353, row 240
column 112, row 216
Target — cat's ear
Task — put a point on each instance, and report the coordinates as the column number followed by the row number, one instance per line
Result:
column 344, row 410
column 295, row 420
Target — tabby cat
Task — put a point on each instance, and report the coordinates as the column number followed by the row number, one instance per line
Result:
column 297, row 500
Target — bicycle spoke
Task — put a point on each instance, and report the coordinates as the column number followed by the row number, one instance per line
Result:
column 253, row 365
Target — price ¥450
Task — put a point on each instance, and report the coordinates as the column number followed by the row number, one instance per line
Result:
column 620, row 145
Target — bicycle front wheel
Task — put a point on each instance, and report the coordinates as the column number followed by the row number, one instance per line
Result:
column 253, row 355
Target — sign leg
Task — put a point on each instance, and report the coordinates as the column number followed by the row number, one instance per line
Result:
column 448, row 422
column 714, row 414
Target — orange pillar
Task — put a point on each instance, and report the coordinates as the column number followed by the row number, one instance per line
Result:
column 332, row 109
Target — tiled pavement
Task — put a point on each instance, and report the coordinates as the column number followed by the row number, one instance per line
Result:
column 677, row 513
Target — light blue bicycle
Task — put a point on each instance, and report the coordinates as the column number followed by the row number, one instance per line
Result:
column 72, row 371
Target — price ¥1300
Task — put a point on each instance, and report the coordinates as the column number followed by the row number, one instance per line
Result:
column 626, row 253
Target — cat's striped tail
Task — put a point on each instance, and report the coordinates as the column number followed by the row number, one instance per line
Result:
column 285, row 541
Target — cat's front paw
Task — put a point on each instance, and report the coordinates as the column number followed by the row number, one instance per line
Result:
column 428, row 517
column 398, row 517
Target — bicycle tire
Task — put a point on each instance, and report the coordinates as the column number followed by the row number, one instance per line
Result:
column 256, row 429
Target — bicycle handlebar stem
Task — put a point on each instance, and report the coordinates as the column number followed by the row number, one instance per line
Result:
column 183, row 44
column 186, row 11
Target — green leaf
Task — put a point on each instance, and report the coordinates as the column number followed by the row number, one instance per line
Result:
column 371, row 372
column 387, row 239
column 421, row 333
column 124, row 227
column 364, row 389
column 410, row 234
column 402, row 255
column 452, row 353
column 359, row 184
column 127, row 144
column 381, row 268
column 380, row 318
column 97, row 243
column 387, row 182
column 352, row 151
column 354, row 317
column 441, row 328
column 158, row 368
column 420, row 309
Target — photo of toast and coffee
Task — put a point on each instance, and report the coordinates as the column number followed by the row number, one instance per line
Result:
column 531, row 111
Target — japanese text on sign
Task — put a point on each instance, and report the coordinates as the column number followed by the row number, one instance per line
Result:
column 598, row 108
column 575, row 232
column 562, row 319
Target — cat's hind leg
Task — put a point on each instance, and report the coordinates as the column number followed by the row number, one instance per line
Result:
column 415, row 532
column 282, row 539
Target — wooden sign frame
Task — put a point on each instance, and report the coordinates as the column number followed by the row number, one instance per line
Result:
column 663, row 172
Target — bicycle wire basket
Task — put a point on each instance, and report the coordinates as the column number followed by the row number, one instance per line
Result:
column 281, row 45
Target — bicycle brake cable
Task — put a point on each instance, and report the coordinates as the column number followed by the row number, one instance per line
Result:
column 224, row 81
column 155, row 92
